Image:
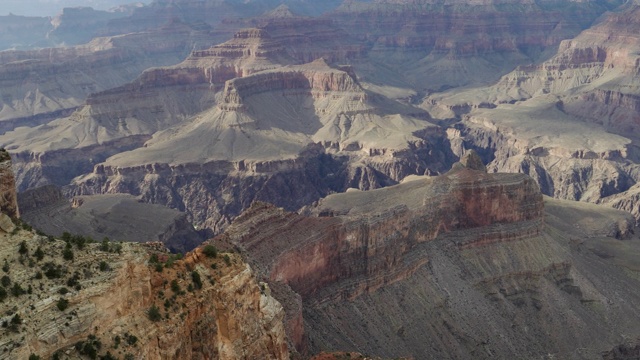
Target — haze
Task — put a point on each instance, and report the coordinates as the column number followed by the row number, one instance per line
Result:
column 54, row 7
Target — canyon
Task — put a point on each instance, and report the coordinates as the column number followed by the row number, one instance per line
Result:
column 395, row 178
column 99, row 300
column 468, row 264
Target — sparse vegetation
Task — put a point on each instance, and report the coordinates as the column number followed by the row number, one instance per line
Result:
column 23, row 249
column 3, row 294
column 104, row 266
column 227, row 259
column 197, row 281
column 131, row 339
column 210, row 251
column 62, row 304
column 17, row 290
column 175, row 287
column 53, row 271
column 15, row 323
column 38, row 254
column 104, row 245
column 90, row 348
column 67, row 253
column 154, row 313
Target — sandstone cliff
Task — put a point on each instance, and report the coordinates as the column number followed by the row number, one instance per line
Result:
column 569, row 122
column 109, row 291
column 465, row 265
column 311, row 124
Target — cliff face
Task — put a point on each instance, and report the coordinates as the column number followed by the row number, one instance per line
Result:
column 569, row 123
column 223, row 315
column 8, row 198
column 41, row 85
column 467, row 264
column 472, row 42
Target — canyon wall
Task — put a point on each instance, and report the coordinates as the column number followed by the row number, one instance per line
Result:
column 467, row 264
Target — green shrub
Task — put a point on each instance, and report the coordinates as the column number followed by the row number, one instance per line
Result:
column 104, row 245
column 197, row 281
column 154, row 313
column 23, row 249
column 174, row 286
column 210, row 251
column 3, row 294
column 104, row 266
column 39, row 254
column 5, row 281
column 52, row 271
column 62, row 304
column 34, row 357
column 17, row 290
column 67, row 253
column 227, row 259
column 131, row 339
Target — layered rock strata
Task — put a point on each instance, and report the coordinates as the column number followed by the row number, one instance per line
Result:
column 457, row 266
column 224, row 314
column 311, row 124
column 446, row 44
column 41, row 85
column 570, row 122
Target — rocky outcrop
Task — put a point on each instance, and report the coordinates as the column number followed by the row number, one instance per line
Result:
column 569, row 122
column 38, row 85
column 8, row 198
column 117, row 217
column 221, row 312
column 470, row 42
column 341, row 241
column 455, row 266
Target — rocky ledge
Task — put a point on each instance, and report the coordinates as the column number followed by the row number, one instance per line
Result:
column 467, row 264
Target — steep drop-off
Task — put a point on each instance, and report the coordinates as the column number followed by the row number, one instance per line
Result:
column 311, row 125
column 433, row 45
column 571, row 122
column 464, row 265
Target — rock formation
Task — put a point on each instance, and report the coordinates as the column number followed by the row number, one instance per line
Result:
column 38, row 86
column 117, row 217
column 312, row 124
column 464, row 265
column 570, row 122
column 101, row 303
column 433, row 45
column 8, row 198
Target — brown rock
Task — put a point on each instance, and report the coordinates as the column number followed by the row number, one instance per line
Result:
column 8, row 198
